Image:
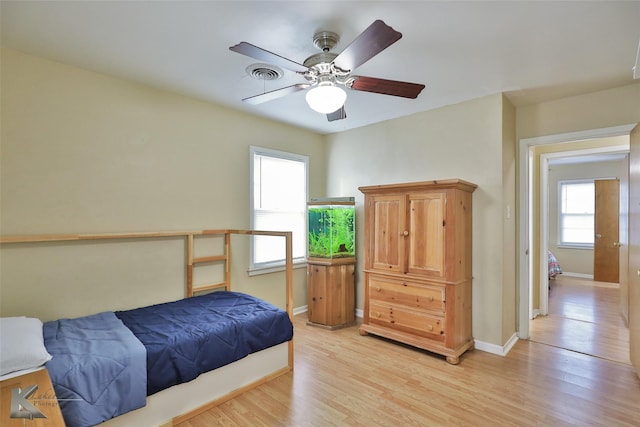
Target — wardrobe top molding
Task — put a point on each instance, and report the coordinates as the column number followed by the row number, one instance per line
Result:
column 440, row 184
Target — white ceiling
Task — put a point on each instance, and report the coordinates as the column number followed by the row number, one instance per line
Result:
column 592, row 158
column 532, row 50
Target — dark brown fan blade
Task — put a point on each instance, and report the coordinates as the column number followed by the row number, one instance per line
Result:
column 376, row 38
column 387, row 87
column 275, row 94
column 337, row 115
column 256, row 52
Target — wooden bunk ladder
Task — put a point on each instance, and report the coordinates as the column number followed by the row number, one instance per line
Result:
column 224, row 257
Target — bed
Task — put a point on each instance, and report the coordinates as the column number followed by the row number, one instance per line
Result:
column 553, row 266
column 164, row 363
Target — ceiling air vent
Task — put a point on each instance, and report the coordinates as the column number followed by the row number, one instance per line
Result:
column 264, row 72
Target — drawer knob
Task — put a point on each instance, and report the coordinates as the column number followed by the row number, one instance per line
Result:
column 430, row 299
column 378, row 288
column 430, row 327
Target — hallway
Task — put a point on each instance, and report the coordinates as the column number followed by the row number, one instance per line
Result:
column 584, row 316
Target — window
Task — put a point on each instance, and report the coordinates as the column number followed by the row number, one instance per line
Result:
column 576, row 213
column 279, row 185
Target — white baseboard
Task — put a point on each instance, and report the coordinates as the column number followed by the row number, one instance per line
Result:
column 496, row 349
column 580, row 275
column 300, row 310
column 359, row 313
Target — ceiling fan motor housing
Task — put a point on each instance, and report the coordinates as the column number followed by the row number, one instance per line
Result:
column 321, row 68
column 325, row 40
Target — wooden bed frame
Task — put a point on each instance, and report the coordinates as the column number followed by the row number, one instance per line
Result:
column 181, row 402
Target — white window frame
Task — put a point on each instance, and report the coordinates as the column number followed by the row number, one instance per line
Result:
column 298, row 241
column 561, row 242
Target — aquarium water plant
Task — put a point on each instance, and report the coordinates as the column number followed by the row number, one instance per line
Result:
column 331, row 230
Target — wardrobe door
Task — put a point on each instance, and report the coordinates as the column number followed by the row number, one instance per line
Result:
column 387, row 228
column 426, row 239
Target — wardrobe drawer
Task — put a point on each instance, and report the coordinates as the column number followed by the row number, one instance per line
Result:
column 403, row 319
column 410, row 294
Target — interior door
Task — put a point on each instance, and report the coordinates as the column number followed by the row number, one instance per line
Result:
column 634, row 249
column 606, row 254
column 623, row 244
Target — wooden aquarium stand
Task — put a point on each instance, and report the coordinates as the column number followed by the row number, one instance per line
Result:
column 331, row 292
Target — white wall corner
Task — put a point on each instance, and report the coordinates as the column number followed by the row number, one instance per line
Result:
column 496, row 349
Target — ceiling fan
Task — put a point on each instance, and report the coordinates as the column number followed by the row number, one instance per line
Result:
column 326, row 71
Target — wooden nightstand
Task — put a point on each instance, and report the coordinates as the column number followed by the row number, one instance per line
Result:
column 43, row 399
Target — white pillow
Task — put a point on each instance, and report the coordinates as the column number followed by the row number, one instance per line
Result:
column 21, row 344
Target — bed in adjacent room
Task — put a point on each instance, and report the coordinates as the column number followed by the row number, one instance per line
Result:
column 164, row 363
column 553, row 265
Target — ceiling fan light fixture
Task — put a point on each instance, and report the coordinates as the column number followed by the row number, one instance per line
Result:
column 326, row 98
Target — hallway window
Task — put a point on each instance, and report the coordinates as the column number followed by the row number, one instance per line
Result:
column 576, row 216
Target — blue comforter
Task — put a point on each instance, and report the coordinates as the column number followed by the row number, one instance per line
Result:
column 98, row 368
column 188, row 337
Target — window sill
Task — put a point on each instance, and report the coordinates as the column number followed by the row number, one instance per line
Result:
column 581, row 247
column 276, row 268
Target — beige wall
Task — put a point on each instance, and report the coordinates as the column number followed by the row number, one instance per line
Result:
column 85, row 152
column 579, row 261
column 613, row 107
column 459, row 141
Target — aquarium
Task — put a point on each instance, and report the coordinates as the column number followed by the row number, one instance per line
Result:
column 331, row 225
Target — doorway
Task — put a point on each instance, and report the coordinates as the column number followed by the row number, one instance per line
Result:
column 567, row 167
column 532, row 265
column 579, row 309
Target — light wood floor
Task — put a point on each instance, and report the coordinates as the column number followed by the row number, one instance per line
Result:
column 584, row 316
column 344, row 379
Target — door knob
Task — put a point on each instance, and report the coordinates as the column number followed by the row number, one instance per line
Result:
column 598, row 236
column 618, row 244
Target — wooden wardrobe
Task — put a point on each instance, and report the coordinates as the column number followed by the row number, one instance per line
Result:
column 417, row 268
